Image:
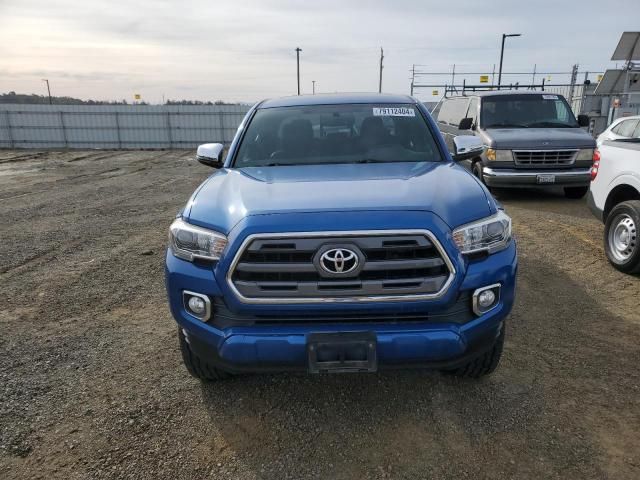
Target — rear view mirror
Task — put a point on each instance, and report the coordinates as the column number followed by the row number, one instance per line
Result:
column 466, row 146
column 583, row 120
column 210, row 154
column 465, row 123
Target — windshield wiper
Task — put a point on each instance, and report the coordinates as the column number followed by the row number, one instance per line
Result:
column 552, row 124
column 370, row 160
column 506, row 125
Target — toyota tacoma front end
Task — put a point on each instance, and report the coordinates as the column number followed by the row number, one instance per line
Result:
column 339, row 235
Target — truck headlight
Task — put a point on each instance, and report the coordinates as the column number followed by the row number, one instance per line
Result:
column 499, row 155
column 189, row 242
column 585, row 154
column 490, row 234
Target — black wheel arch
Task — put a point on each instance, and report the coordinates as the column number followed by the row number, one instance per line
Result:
column 619, row 194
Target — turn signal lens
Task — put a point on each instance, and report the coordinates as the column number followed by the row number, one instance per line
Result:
column 499, row 155
column 596, row 164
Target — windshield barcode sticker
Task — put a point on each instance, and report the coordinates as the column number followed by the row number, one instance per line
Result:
column 550, row 97
column 394, row 112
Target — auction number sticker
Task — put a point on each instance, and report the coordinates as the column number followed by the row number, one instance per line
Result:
column 394, row 112
column 550, row 97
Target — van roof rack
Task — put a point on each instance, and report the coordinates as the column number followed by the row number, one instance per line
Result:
column 452, row 90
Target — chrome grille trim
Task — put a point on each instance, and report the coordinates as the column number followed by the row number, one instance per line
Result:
column 545, row 158
column 340, row 299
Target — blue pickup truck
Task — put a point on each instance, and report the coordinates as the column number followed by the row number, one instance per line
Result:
column 340, row 235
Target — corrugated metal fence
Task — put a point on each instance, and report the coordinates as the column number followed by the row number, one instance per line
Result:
column 117, row 126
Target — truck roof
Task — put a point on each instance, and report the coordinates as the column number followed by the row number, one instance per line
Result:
column 336, row 99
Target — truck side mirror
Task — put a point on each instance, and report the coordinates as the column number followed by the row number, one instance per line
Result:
column 465, row 123
column 210, row 154
column 466, row 146
column 583, row 120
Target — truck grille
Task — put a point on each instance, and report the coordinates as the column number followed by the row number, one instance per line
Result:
column 284, row 268
column 544, row 158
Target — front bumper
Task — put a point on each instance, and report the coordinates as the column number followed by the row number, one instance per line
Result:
column 597, row 212
column 494, row 177
column 434, row 342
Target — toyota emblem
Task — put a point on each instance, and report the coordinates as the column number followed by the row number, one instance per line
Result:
column 339, row 260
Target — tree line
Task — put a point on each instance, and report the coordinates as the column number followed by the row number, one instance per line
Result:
column 25, row 98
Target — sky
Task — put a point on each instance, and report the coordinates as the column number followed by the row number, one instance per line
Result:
column 235, row 50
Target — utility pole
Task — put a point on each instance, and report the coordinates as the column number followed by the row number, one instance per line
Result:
column 381, row 67
column 314, row 86
column 298, row 50
column 48, row 90
column 504, row 36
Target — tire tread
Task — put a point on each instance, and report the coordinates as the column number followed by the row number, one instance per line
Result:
column 484, row 364
column 198, row 367
column 632, row 266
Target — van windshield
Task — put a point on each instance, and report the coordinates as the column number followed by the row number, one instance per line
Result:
column 346, row 133
column 526, row 111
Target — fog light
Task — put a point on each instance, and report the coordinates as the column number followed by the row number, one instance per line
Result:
column 197, row 305
column 486, row 298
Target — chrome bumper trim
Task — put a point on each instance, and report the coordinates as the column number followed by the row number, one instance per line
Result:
column 499, row 173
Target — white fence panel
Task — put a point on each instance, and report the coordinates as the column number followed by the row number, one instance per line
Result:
column 117, row 126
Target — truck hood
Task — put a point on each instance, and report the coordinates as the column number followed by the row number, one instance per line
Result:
column 537, row 138
column 444, row 188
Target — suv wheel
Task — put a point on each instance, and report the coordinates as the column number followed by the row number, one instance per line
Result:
column 196, row 366
column 483, row 365
column 621, row 236
column 575, row 192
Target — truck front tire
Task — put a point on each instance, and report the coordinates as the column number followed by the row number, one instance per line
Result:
column 483, row 364
column 622, row 238
column 476, row 169
column 196, row 366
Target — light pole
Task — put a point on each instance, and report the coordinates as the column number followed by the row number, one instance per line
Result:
column 313, row 86
column 48, row 89
column 381, row 67
column 504, row 35
column 298, row 50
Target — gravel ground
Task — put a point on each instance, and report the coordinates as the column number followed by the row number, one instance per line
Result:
column 92, row 384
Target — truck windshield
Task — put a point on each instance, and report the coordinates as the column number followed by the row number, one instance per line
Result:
column 346, row 133
column 526, row 111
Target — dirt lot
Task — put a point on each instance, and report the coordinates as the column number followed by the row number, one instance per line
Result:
column 92, row 384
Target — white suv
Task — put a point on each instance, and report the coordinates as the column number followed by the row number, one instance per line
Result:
column 614, row 197
column 622, row 128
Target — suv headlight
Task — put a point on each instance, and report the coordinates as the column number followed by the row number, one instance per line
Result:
column 499, row 155
column 189, row 242
column 490, row 234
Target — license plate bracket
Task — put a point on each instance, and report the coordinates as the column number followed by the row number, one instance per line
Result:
column 546, row 178
column 342, row 352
